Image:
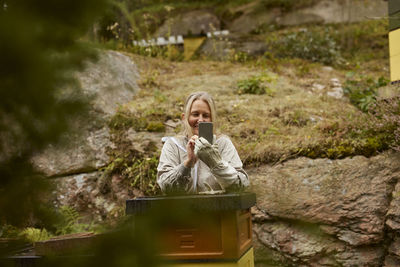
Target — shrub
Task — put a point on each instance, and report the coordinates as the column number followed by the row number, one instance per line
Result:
column 239, row 56
column 363, row 92
column 140, row 172
column 315, row 44
column 150, row 120
column 143, row 175
column 287, row 5
column 254, row 85
column 155, row 126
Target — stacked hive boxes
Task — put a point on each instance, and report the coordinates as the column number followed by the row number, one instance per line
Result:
column 394, row 39
column 216, row 233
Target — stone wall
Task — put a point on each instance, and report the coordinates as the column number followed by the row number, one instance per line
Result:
column 328, row 212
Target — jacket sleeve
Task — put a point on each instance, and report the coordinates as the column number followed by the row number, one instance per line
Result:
column 229, row 172
column 172, row 175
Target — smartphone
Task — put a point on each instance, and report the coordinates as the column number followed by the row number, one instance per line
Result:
column 206, row 131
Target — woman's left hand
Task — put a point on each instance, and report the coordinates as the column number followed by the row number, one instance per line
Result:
column 208, row 153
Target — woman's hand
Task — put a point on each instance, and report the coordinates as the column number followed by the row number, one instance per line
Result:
column 192, row 159
column 208, row 153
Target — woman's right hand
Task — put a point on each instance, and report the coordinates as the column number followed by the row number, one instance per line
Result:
column 192, row 159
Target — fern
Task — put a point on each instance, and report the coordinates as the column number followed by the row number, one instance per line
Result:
column 70, row 222
column 34, row 234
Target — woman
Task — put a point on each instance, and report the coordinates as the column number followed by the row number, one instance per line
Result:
column 191, row 164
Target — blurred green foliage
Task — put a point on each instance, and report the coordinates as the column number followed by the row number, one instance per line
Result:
column 38, row 94
column 41, row 48
column 34, row 235
column 70, row 222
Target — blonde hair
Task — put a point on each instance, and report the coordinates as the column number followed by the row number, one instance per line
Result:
column 187, row 130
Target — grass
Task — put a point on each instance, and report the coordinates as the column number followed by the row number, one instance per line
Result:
column 292, row 122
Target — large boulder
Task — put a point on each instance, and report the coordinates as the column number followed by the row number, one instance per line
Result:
column 251, row 20
column 328, row 11
column 232, row 47
column 328, row 210
column 107, row 83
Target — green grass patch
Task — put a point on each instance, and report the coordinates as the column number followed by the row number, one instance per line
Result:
column 256, row 85
column 363, row 91
column 150, row 120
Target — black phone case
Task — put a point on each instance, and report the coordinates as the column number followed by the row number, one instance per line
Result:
column 206, row 131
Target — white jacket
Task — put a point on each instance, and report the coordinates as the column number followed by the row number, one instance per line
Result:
column 173, row 176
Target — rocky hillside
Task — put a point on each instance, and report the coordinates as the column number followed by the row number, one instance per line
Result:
column 322, row 167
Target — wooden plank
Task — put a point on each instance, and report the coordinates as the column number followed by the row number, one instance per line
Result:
column 223, row 202
column 65, row 244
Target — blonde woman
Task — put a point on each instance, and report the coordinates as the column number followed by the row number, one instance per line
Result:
column 191, row 164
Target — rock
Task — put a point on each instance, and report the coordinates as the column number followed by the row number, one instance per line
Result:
column 299, row 243
column 393, row 223
column 76, row 190
column 335, row 92
column 252, row 48
column 107, row 83
column 393, row 214
column 299, row 17
column 306, row 245
column 391, row 261
column 224, row 48
column 85, row 152
column 327, row 69
column 335, row 82
column 194, row 22
column 348, row 198
column 328, row 11
column 144, row 141
column 253, row 20
column 316, row 87
column 395, row 247
column 259, row 216
column 266, row 257
column 218, row 48
column 82, row 192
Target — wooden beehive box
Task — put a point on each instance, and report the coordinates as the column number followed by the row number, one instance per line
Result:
column 219, row 226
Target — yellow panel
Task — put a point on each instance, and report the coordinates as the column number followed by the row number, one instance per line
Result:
column 395, row 68
column 247, row 260
column 191, row 44
column 394, row 43
column 394, row 49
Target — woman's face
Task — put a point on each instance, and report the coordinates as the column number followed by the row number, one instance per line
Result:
column 199, row 112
